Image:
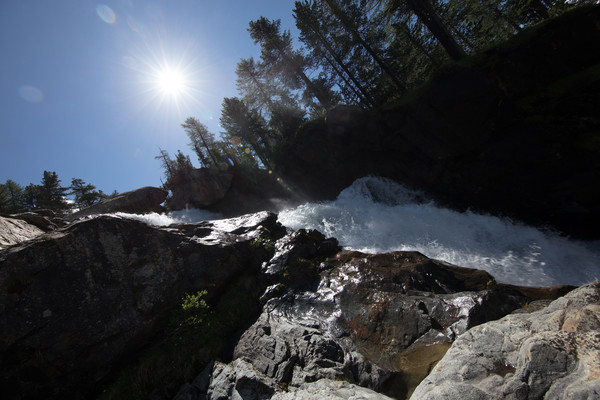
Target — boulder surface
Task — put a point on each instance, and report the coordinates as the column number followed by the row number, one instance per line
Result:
column 13, row 231
column 140, row 201
column 552, row 353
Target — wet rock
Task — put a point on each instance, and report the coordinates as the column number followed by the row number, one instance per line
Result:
column 377, row 321
column 552, row 353
column 77, row 299
column 13, row 231
column 140, row 201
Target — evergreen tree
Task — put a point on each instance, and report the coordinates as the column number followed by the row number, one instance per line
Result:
column 166, row 163
column 203, row 142
column 264, row 93
column 30, row 196
column 279, row 57
column 352, row 28
column 50, row 194
column 12, row 198
column 4, row 199
column 248, row 126
column 317, row 33
column 424, row 10
column 85, row 194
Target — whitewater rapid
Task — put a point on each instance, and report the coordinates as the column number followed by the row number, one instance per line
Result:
column 377, row 215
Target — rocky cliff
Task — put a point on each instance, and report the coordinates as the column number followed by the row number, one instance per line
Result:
column 94, row 309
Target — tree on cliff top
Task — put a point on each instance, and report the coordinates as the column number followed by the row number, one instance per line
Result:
column 202, row 141
column 50, row 194
column 85, row 193
column 12, row 198
column 278, row 55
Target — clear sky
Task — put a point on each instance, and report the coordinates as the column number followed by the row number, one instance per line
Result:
column 91, row 90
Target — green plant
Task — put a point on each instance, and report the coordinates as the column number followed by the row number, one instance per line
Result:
column 175, row 359
column 195, row 308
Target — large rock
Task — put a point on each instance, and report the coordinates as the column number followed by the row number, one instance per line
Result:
column 13, row 231
column 44, row 219
column 74, row 301
column 553, row 353
column 377, row 321
column 140, row 201
column 201, row 188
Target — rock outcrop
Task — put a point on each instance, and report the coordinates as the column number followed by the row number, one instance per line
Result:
column 232, row 191
column 83, row 307
column 552, row 353
column 46, row 220
column 377, row 322
column 140, row 201
column 203, row 187
column 14, row 231
column 75, row 301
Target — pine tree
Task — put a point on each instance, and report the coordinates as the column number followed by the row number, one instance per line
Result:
column 316, row 32
column 85, row 194
column 279, row 57
column 203, row 143
column 50, row 194
column 247, row 126
column 12, row 198
column 353, row 29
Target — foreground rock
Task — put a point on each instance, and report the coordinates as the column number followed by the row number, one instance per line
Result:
column 13, row 231
column 74, row 302
column 553, row 353
column 93, row 308
column 376, row 322
column 140, row 201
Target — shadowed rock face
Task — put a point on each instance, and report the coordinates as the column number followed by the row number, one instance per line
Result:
column 140, row 201
column 74, row 301
column 203, row 187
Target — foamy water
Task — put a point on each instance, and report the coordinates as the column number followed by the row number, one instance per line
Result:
column 173, row 217
column 377, row 215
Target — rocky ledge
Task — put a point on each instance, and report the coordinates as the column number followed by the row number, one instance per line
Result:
column 93, row 310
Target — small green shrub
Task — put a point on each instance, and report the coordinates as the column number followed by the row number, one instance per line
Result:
column 195, row 308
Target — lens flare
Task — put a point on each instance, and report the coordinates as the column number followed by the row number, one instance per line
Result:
column 106, row 13
column 31, row 94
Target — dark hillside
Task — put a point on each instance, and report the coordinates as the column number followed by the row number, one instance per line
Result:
column 513, row 130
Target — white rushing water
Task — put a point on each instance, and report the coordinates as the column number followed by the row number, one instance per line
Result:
column 377, row 215
column 173, row 217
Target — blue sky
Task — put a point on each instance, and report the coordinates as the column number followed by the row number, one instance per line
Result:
column 80, row 89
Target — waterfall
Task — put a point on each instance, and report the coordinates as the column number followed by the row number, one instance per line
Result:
column 378, row 215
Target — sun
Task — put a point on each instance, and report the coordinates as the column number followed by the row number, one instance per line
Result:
column 171, row 81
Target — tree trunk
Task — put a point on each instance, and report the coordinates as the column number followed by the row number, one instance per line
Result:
column 354, row 32
column 426, row 13
column 339, row 62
